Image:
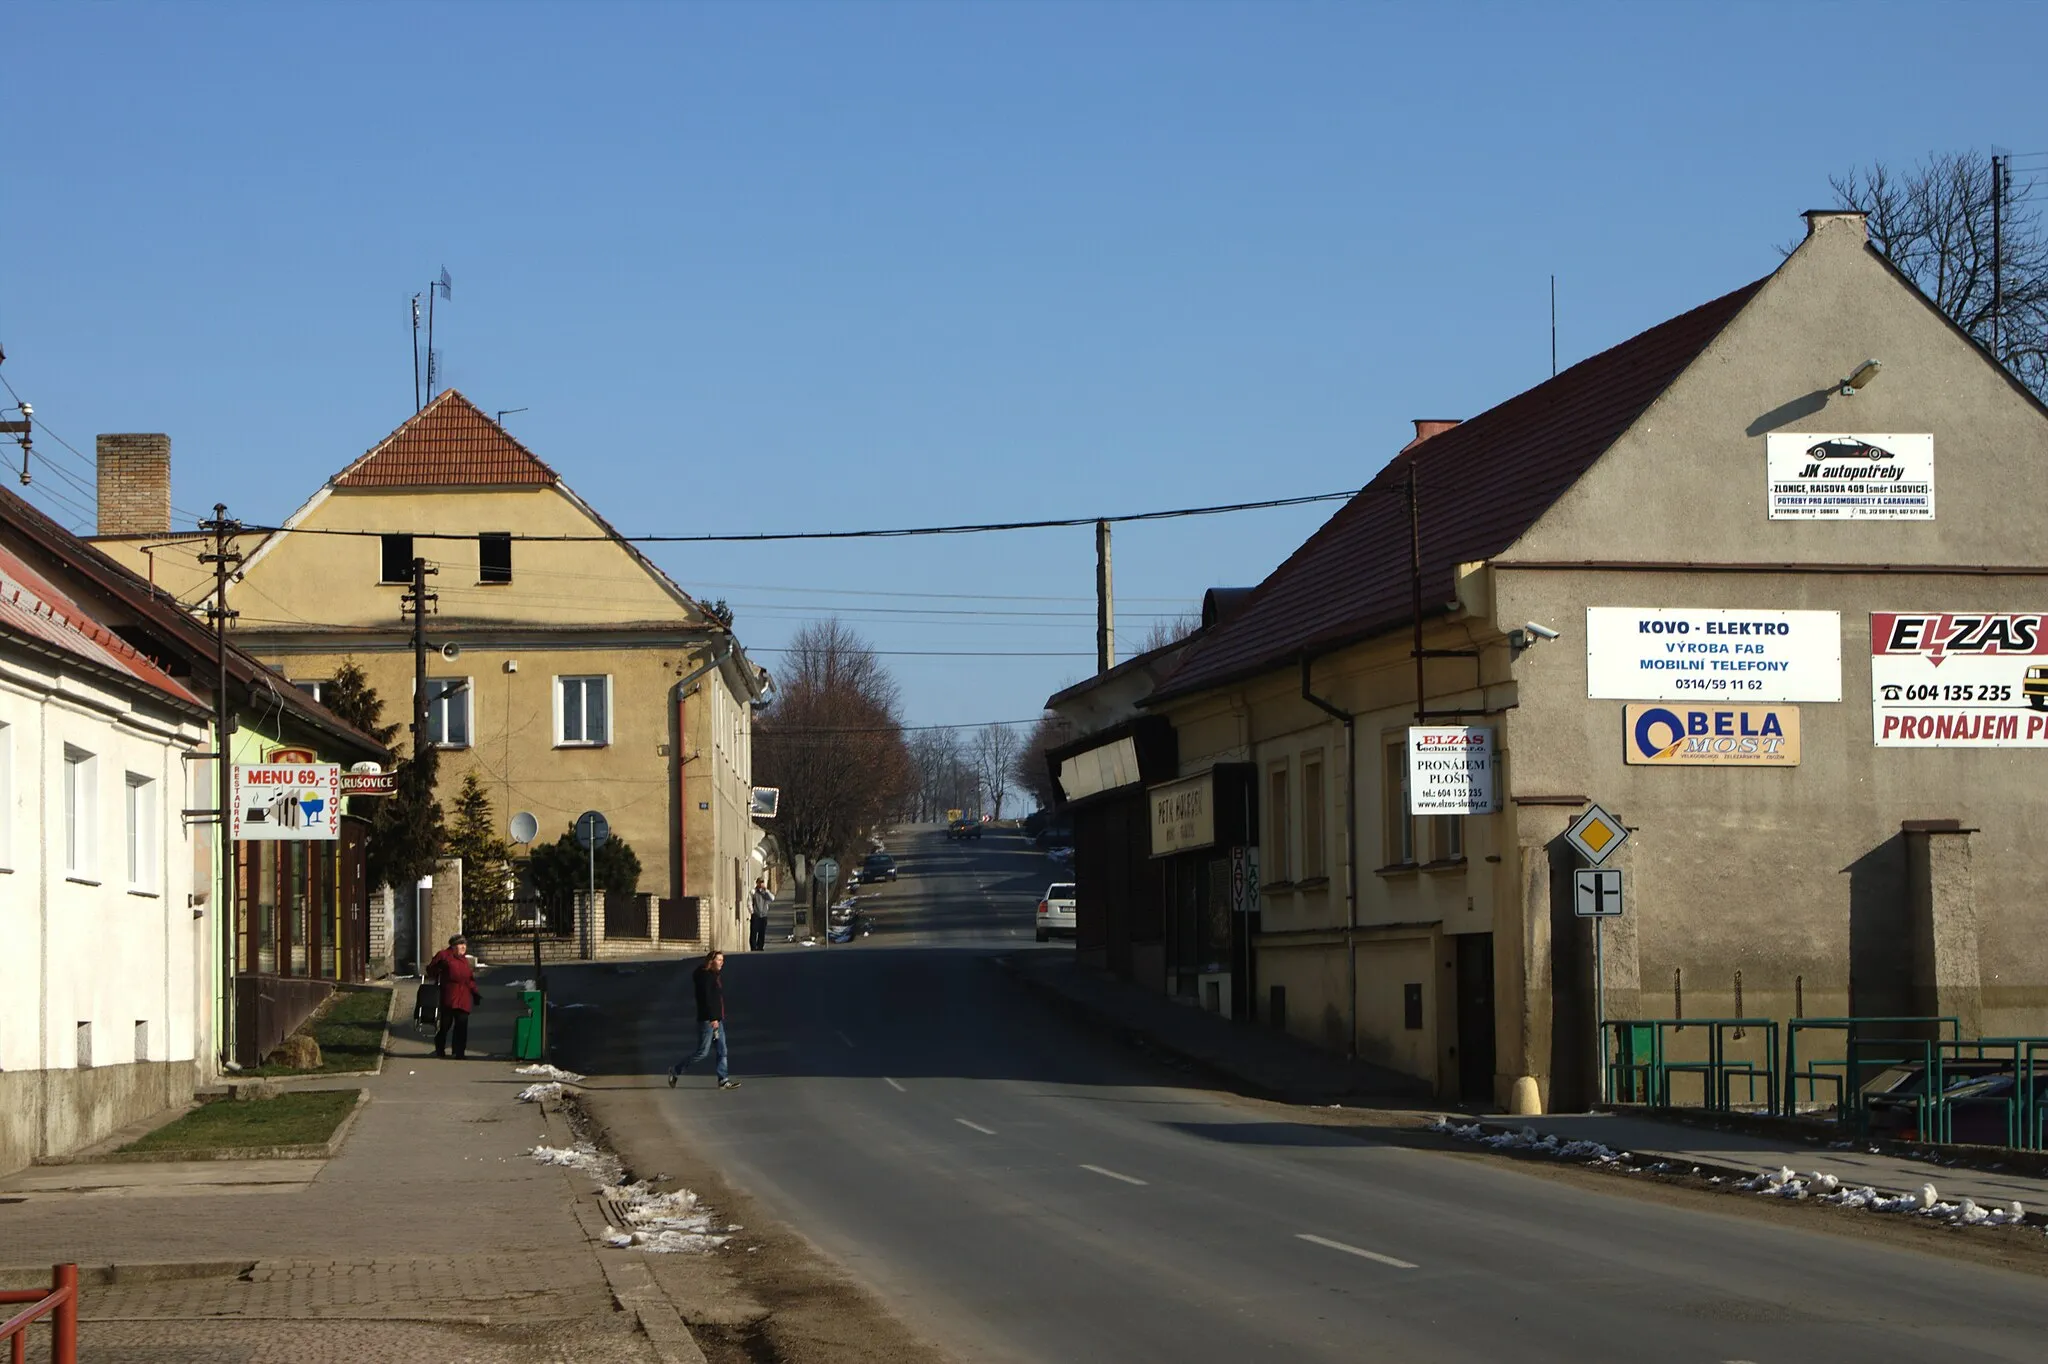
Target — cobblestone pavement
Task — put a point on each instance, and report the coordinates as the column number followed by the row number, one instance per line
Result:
column 479, row 1288
column 613, row 1340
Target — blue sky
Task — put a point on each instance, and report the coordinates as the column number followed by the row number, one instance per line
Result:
column 834, row 265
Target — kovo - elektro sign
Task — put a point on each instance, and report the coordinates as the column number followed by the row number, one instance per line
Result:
column 1675, row 653
column 1959, row 679
column 1710, row 736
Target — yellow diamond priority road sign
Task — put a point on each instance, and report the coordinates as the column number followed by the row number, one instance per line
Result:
column 1596, row 834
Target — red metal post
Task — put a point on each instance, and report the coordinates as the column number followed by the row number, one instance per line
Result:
column 64, row 1327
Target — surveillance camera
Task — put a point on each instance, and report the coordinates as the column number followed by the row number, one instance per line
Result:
column 1540, row 631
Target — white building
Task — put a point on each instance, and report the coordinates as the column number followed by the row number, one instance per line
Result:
column 103, row 966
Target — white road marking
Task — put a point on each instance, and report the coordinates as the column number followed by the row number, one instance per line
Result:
column 1354, row 1250
column 893, row 1085
column 1097, row 1169
column 987, row 1131
column 843, row 1037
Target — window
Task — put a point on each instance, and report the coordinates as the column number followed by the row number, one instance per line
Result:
column 81, row 827
column 1400, row 825
column 583, row 710
column 1446, row 837
column 397, row 559
column 1273, row 857
column 1312, row 817
column 312, row 686
column 448, row 712
column 143, row 827
column 494, row 556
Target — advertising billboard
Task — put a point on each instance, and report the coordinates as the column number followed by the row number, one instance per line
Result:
column 1959, row 679
column 1819, row 477
column 1710, row 736
column 1664, row 653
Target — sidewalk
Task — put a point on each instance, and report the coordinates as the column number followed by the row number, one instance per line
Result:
column 430, row 1230
column 1269, row 1064
column 1259, row 1061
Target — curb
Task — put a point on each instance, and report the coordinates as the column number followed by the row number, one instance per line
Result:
column 165, row 1271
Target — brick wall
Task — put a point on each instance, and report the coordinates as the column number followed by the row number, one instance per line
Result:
column 135, row 484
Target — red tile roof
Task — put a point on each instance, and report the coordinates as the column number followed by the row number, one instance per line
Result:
column 1481, row 484
column 34, row 610
column 450, row 443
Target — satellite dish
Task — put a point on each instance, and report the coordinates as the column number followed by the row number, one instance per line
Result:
column 524, row 827
column 451, row 651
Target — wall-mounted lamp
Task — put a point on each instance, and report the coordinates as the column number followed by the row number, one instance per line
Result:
column 1860, row 376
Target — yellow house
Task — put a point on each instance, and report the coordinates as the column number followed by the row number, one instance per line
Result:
column 565, row 669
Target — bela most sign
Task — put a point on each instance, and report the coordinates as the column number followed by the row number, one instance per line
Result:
column 285, row 802
column 1959, row 679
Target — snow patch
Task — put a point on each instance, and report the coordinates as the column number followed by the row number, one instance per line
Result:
column 600, row 1165
column 534, row 1094
column 661, row 1223
column 550, row 1073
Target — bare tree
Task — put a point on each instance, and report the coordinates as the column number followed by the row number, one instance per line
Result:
column 1170, row 630
column 1934, row 222
column 833, row 742
column 1029, row 772
column 995, row 754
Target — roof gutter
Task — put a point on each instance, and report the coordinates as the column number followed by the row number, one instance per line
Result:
column 1350, row 843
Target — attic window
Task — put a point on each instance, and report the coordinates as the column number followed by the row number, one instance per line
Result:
column 494, row 557
column 397, row 559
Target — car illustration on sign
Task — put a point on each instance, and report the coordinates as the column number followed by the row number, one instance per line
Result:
column 1847, row 448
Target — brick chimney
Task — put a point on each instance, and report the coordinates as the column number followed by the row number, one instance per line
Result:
column 1425, row 427
column 135, row 484
column 1818, row 218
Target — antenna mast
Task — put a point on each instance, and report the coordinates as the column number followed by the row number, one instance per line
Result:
column 443, row 287
column 415, row 355
column 1553, row 326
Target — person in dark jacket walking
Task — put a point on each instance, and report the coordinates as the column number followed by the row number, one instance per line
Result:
column 710, row 1020
column 452, row 969
column 757, row 921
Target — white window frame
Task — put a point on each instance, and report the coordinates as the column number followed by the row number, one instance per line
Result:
column 561, row 710
column 312, row 686
column 81, row 815
column 142, row 802
column 438, row 695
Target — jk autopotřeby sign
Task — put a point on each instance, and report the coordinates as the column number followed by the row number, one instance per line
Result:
column 1710, row 736
column 285, row 802
column 1850, row 478
column 1451, row 770
column 1959, row 679
column 1664, row 653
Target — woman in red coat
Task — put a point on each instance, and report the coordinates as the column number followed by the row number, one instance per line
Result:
column 456, row 974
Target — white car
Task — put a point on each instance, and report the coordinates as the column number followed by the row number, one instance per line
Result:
column 1056, row 910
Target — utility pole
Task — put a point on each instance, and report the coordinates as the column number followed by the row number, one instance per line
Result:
column 1105, row 607
column 1997, row 253
column 223, row 557
column 416, row 602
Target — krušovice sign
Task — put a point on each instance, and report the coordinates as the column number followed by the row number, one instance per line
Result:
column 1710, row 736
column 1450, row 770
column 1184, row 814
column 285, row 802
column 1656, row 653
column 1850, row 478
column 1959, row 679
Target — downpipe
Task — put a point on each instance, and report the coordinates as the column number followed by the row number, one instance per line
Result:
column 1350, row 848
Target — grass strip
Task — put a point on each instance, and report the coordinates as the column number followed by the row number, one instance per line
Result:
column 287, row 1120
column 349, row 1027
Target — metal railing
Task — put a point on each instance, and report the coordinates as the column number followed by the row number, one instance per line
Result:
column 59, row 1302
column 2022, row 1105
column 1858, row 1033
column 1639, row 1064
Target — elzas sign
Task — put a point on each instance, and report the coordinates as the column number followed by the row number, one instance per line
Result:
column 1959, row 679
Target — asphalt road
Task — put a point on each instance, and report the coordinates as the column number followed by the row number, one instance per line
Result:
column 1019, row 1188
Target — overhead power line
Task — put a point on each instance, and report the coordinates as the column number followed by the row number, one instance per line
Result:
column 896, row 533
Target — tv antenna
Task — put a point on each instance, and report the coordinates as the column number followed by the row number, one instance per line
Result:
column 438, row 288
column 415, row 355
column 505, row 412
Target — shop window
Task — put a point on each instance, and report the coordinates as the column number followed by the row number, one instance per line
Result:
column 1312, row 805
column 397, row 559
column 81, row 809
column 583, row 711
column 448, row 700
column 1399, row 832
column 1274, row 856
column 143, row 827
column 494, row 557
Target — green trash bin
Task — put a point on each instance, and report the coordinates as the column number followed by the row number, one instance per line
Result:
column 529, row 1030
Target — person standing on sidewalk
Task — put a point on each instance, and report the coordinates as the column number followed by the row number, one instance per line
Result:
column 452, row 969
column 710, row 1020
column 757, row 922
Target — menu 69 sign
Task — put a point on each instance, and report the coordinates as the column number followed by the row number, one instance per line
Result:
column 285, row 802
column 1959, row 679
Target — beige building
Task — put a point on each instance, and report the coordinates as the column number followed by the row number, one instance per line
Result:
column 566, row 669
column 1796, row 604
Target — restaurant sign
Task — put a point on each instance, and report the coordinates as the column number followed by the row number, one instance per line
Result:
column 285, row 802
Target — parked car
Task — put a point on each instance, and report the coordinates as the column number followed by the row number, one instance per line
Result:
column 877, row 866
column 964, row 828
column 1056, row 911
column 1978, row 1094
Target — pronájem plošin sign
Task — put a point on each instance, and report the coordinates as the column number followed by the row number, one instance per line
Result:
column 1451, row 770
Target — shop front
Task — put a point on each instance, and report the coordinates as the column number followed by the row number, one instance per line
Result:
column 1204, row 842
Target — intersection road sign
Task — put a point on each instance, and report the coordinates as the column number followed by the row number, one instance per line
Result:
column 1597, row 893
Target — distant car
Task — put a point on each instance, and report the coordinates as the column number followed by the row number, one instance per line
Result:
column 877, row 867
column 1056, row 911
column 1062, row 855
column 964, row 828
